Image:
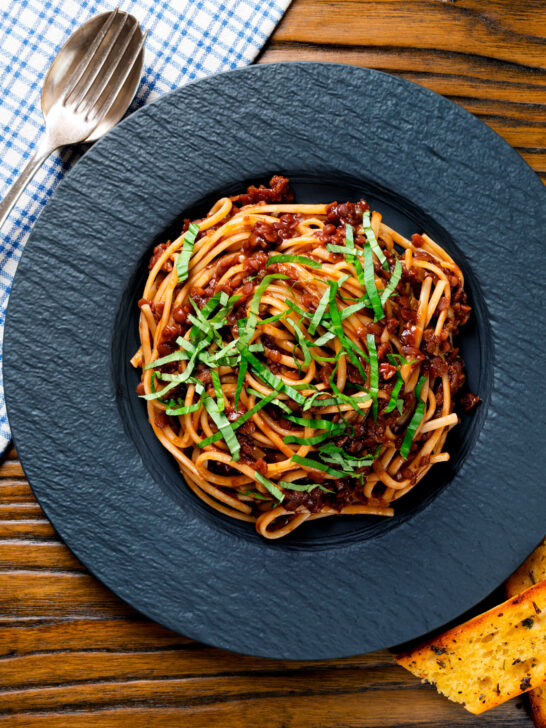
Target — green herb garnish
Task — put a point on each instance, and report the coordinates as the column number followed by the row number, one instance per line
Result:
column 224, row 426
column 303, row 259
column 372, row 240
column 269, row 486
column 374, row 372
column 393, row 282
column 307, row 462
column 393, row 401
column 184, row 256
column 415, row 420
column 303, row 488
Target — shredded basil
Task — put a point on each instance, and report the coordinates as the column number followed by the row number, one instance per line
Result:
column 369, row 283
column 267, row 375
column 372, row 240
column 175, row 356
column 224, row 426
column 374, row 372
column 217, row 389
column 393, row 282
column 415, row 420
column 243, row 366
column 393, row 401
column 319, row 313
column 186, row 410
column 254, row 308
column 303, row 488
column 269, row 486
column 277, row 402
column 184, row 256
column 161, row 393
column 315, row 424
column 242, row 419
column 254, row 494
column 294, row 440
column 318, row 466
column 304, row 260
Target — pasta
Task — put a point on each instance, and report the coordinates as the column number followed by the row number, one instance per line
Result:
column 298, row 360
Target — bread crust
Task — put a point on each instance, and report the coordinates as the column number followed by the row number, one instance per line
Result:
column 532, row 570
column 491, row 658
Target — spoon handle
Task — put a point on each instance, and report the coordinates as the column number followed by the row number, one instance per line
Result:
column 35, row 162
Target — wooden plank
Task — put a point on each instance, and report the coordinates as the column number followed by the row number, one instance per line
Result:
column 35, row 593
column 15, row 491
column 361, row 709
column 49, row 556
column 11, row 469
column 466, row 26
column 407, row 60
column 32, row 529
column 22, row 636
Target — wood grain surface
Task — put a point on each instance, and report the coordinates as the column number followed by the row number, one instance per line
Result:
column 71, row 653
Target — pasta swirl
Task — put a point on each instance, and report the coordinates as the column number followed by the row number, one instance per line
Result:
column 298, row 361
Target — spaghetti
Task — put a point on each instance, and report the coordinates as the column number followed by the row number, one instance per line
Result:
column 298, row 360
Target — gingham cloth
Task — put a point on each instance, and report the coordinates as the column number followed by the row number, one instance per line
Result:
column 188, row 39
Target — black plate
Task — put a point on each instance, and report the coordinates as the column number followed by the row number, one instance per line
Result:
column 340, row 586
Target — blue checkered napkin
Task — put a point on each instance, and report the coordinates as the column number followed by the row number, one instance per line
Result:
column 188, row 39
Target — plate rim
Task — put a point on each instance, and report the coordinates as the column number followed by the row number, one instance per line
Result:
column 65, row 188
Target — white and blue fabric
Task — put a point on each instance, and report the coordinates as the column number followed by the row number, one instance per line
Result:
column 188, row 39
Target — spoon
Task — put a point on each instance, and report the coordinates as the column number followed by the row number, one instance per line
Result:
column 87, row 89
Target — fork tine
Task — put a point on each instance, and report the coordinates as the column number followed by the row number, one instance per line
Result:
column 97, row 64
column 85, row 61
column 106, row 72
column 100, row 111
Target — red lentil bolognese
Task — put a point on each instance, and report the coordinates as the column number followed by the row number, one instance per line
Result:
column 299, row 360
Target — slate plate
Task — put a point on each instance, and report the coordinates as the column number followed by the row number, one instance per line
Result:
column 340, row 586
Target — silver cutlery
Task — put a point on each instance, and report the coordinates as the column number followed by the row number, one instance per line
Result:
column 87, row 89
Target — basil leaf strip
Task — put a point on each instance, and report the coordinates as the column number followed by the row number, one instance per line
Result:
column 184, row 256
column 224, row 426
column 277, row 402
column 242, row 419
column 369, row 283
column 269, row 486
column 185, row 410
column 217, row 389
column 241, row 374
column 294, row 440
column 304, row 488
column 254, row 308
column 393, row 282
column 303, row 259
column 372, row 240
column 415, row 420
column 307, row 462
column 175, row 356
column 319, row 313
column 374, row 372
column 157, row 395
column 394, row 395
column 268, row 377
column 315, row 424
column 338, row 329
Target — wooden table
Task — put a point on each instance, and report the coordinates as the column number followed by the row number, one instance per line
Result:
column 73, row 654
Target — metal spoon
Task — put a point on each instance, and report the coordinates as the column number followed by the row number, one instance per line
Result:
column 87, row 89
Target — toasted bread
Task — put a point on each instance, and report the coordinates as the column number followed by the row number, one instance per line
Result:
column 492, row 657
column 532, row 570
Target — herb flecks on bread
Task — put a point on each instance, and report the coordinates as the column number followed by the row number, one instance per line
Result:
column 492, row 657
